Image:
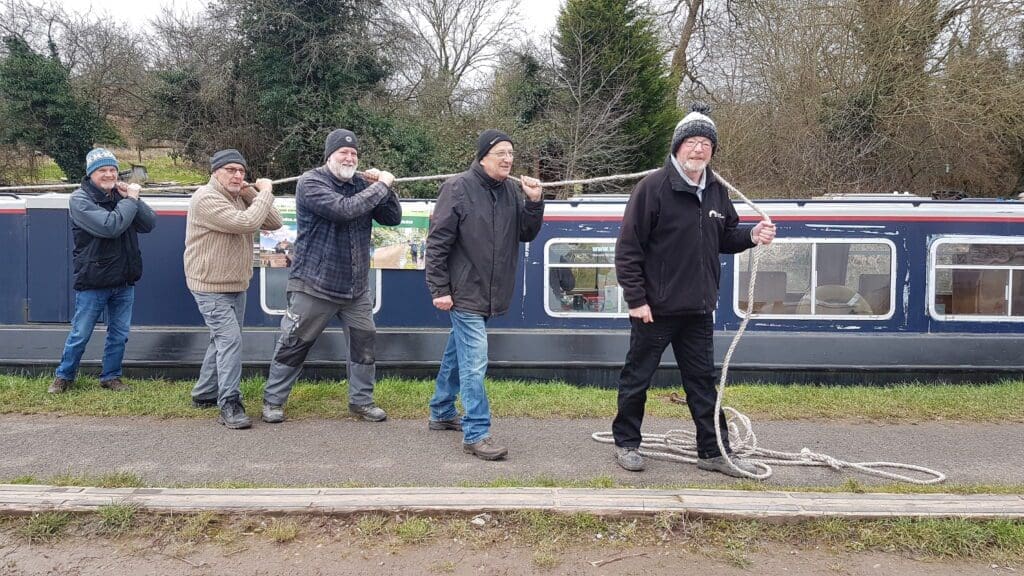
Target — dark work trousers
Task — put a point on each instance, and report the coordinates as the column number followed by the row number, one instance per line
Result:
column 691, row 337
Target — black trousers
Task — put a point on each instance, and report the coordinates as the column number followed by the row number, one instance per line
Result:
column 692, row 340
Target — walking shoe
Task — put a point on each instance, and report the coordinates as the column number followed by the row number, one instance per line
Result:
column 273, row 413
column 369, row 412
column 60, row 385
column 452, row 424
column 232, row 415
column 486, row 449
column 204, row 404
column 630, row 459
column 114, row 384
column 718, row 464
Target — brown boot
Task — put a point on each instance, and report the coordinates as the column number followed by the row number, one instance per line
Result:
column 59, row 385
column 486, row 449
column 114, row 384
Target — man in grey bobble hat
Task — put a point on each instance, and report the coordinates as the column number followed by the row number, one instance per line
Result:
column 340, row 138
column 676, row 223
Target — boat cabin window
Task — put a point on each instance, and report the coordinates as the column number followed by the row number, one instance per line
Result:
column 818, row 278
column 274, row 298
column 580, row 280
column 976, row 278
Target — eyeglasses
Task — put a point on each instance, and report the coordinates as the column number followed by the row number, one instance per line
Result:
column 503, row 154
column 234, row 170
column 697, row 144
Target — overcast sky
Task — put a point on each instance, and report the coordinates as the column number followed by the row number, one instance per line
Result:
column 539, row 13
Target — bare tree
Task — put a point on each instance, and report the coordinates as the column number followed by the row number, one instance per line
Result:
column 449, row 44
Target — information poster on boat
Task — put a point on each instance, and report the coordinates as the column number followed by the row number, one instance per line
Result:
column 392, row 247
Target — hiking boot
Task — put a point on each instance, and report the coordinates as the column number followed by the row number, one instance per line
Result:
column 452, row 424
column 60, row 385
column 204, row 404
column 273, row 413
column 486, row 449
column 369, row 412
column 718, row 464
column 630, row 459
column 232, row 415
column 114, row 384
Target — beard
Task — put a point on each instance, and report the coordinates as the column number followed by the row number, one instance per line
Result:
column 341, row 171
column 694, row 165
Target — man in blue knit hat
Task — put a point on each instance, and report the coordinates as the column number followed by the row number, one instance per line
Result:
column 106, row 217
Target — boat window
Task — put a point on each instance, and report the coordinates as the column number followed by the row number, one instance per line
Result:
column 976, row 278
column 274, row 281
column 580, row 280
column 818, row 278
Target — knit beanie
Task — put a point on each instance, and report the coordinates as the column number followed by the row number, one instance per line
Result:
column 98, row 158
column 339, row 138
column 487, row 140
column 222, row 158
column 696, row 123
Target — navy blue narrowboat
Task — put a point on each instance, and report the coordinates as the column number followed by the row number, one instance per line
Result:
column 886, row 288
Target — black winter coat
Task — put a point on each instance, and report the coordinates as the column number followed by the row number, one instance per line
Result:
column 105, row 228
column 473, row 243
column 667, row 252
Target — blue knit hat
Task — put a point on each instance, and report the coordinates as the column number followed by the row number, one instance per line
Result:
column 98, row 158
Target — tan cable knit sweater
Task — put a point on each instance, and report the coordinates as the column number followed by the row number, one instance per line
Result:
column 218, row 236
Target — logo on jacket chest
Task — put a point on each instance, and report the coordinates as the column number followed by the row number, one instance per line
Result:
column 715, row 214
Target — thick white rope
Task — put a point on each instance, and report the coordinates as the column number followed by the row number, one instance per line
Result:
column 681, row 445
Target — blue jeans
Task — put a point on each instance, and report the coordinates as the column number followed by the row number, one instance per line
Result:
column 462, row 371
column 89, row 304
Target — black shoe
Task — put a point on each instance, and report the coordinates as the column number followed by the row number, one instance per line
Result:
column 272, row 414
column 60, row 385
column 204, row 404
column 452, row 424
column 232, row 415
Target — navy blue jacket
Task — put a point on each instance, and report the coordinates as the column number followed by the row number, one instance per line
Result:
column 334, row 220
column 105, row 229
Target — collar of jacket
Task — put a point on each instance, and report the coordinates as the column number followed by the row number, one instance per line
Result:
column 98, row 194
column 680, row 185
column 488, row 182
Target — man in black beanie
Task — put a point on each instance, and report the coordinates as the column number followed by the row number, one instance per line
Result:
column 480, row 218
column 335, row 208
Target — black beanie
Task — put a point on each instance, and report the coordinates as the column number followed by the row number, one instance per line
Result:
column 339, row 138
column 221, row 158
column 696, row 123
column 487, row 140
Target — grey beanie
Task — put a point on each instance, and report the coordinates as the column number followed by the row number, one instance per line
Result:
column 696, row 123
column 339, row 138
column 222, row 158
column 487, row 140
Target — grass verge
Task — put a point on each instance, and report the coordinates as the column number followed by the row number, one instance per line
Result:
column 403, row 398
column 549, row 535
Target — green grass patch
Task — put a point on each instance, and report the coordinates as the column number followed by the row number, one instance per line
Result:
column 160, row 166
column 117, row 518
column 404, row 398
column 281, row 531
column 414, row 530
column 44, row 527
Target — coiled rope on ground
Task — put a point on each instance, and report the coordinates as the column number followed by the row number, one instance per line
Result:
column 681, row 445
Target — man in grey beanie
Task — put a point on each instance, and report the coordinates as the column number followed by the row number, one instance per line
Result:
column 677, row 222
column 335, row 209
